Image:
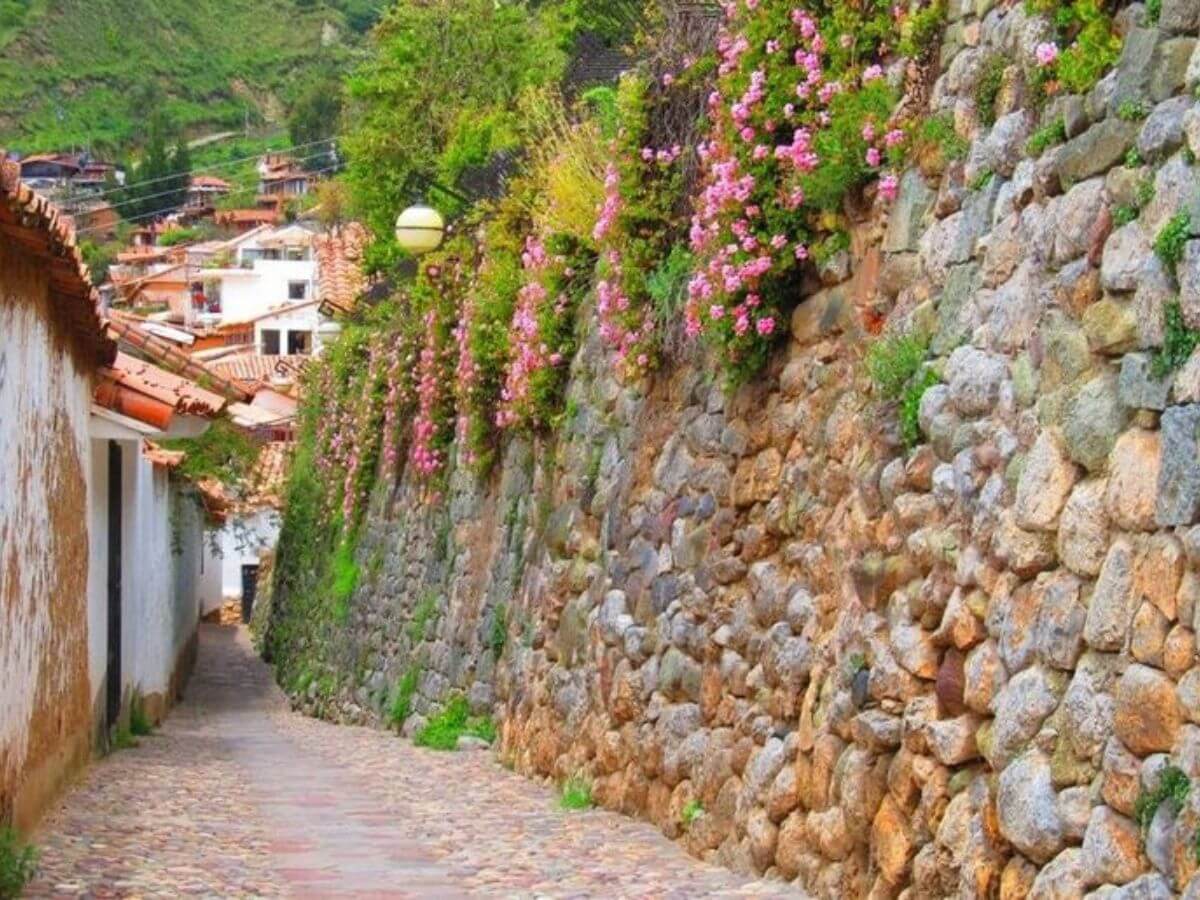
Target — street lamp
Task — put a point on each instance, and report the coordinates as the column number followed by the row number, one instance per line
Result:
column 420, row 229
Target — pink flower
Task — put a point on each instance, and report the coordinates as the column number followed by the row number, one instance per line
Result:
column 1046, row 53
column 889, row 187
column 872, row 73
column 716, row 311
column 894, row 137
column 801, row 252
column 873, row 157
column 668, row 79
column 765, row 325
column 868, row 132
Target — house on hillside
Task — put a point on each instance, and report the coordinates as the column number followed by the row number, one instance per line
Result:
column 281, row 176
column 104, row 558
column 203, row 193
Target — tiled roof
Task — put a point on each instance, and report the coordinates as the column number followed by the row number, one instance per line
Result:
column 209, row 181
column 169, row 357
column 264, row 486
column 156, row 455
column 254, row 368
column 243, row 216
column 32, row 223
column 341, row 280
column 181, row 394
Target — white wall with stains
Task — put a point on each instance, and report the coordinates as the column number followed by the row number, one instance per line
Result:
column 44, row 407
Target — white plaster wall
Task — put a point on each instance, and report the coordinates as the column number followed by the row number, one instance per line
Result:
column 38, row 384
column 242, row 541
column 307, row 319
column 97, row 562
column 146, row 578
column 249, row 293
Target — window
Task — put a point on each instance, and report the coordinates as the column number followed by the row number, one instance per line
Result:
column 299, row 343
column 297, row 290
column 270, row 341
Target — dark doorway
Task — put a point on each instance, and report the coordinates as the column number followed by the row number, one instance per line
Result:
column 113, row 676
column 249, row 588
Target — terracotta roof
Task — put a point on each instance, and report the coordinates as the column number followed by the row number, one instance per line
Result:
column 243, row 216
column 32, row 223
column 156, row 455
column 254, row 368
column 264, row 486
column 181, row 394
column 214, row 499
column 174, row 360
column 209, row 181
column 340, row 278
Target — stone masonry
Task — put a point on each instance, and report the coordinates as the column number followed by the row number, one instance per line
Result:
column 950, row 671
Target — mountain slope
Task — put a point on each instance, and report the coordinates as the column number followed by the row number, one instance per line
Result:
column 78, row 72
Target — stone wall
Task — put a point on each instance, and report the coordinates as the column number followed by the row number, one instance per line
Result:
column 952, row 669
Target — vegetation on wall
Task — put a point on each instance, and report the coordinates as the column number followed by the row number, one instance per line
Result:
column 18, row 863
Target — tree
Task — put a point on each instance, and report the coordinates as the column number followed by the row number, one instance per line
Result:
column 315, row 116
column 434, row 66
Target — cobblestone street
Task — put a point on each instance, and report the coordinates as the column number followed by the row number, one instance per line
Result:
column 237, row 796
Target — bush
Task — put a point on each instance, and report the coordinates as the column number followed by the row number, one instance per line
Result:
column 894, row 360
column 454, row 721
column 1169, row 244
column 18, row 864
column 1179, row 342
column 400, row 707
column 937, row 134
column 1054, row 133
column 987, row 89
column 139, row 723
column 910, row 406
column 1173, row 788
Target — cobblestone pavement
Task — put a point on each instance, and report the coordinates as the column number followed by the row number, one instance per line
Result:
column 236, row 796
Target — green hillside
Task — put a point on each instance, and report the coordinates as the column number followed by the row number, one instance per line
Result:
column 89, row 72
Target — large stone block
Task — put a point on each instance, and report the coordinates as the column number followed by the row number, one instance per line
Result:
column 1027, row 808
column 1112, row 605
column 1178, row 501
column 907, row 218
column 1148, row 713
column 1096, row 150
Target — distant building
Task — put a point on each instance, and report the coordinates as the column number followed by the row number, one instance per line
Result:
column 281, row 176
column 203, row 193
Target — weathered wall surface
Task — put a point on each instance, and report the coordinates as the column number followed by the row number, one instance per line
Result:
column 45, row 703
column 953, row 669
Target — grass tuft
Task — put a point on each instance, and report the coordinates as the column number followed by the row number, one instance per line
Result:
column 18, row 864
column 454, row 721
column 576, row 794
column 1173, row 787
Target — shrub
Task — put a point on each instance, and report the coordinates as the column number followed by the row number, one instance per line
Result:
column 1127, row 212
column 692, row 810
column 910, row 406
column 1179, row 342
column 1172, row 238
column 576, row 794
column 987, row 89
column 1153, row 10
column 1132, row 111
column 400, row 707
column 1173, row 787
column 139, row 723
column 454, row 721
column 1054, row 133
column 499, row 633
column 921, row 30
column 423, row 618
column 894, row 360
column 937, row 133
column 18, row 864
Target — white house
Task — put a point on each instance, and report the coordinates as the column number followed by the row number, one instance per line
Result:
column 271, row 282
column 103, row 561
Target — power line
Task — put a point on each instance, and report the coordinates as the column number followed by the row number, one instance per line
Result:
column 168, row 209
column 224, row 165
column 90, row 197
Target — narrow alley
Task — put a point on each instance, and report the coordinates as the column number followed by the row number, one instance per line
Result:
column 236, row 796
